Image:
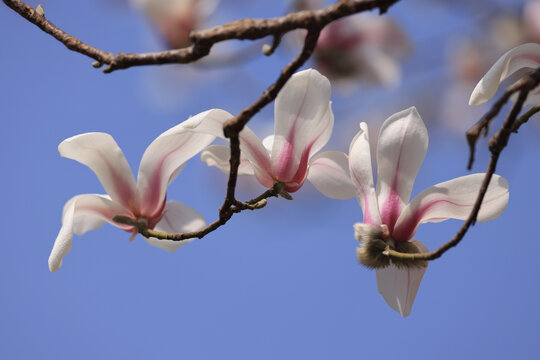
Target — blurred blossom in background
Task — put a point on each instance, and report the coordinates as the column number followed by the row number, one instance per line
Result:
column 282, row 282
column 360, row 49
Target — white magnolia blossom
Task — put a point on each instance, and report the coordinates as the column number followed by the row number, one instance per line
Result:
column 522, row 57
column 303, row 124
column 388, row 214
column 145, row 200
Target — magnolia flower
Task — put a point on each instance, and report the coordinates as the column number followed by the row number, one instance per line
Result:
column 303, row 125
column 389, row 218
column 522, row 57
column 176, row 19
column 143, row 201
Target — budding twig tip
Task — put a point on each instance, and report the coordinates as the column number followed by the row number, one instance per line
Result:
column 40, row 10
column 267, row 50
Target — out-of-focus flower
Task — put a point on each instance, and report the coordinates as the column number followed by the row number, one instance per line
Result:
column 389, row 218
column 363, row 47
column 176, row 19
column 522, row 57
column 303, row 124
column 143, row 201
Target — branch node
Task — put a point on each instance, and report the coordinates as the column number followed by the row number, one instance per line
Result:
column 97, row 64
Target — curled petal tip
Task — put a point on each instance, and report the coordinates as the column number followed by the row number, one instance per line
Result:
column 525, row 56
column 62, row 244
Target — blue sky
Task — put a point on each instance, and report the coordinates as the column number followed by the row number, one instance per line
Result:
column 282, row 282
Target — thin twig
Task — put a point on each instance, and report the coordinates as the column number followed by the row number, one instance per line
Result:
column 473, row 134
column 254, row 204
column 525, row 117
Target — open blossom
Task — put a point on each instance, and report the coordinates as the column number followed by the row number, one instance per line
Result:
column 389, row 218
column 522, row 57
column 303, row 124
column 175, row 19
column 142, row 201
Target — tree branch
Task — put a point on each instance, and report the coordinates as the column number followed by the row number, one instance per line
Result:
column 473, row 134
column 525, row 117
column 204, row 40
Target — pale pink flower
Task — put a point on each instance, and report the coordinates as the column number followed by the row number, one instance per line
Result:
column 142, row 201
column 388, row 214
column 523, row 57
column 303, row 124
column 176, row 19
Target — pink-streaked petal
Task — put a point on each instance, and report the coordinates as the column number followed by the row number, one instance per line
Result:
column 218, row 156
column 362, row 175
column 81, row 214
column 166, row 155
column 303, row 124
column 523, row 56
column 178, row 218
column 402, row 146
column 399, row 286
column 453, row 199
column 329, row 173
column 250, row 145
column 102, row 155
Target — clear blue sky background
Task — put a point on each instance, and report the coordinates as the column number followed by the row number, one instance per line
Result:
column 280, row 283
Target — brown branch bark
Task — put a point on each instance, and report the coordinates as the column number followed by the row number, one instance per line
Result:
column 204, row 40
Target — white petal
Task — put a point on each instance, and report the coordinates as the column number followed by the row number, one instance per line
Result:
column 268, row 142
column 402, row 146
column 100, row 153
column 329, row 173
column 62, row 244
column 522, row 56
column 166, row 155
column 250, row 145
column 362, row 175
column 453, row 199
column 399, row 286
column 178, row 218
column 82, row 213
column 303, row 124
